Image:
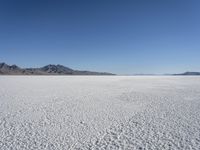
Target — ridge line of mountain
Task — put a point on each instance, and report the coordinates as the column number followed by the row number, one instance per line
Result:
column 50, row 69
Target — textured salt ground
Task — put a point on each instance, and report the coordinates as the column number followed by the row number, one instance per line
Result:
column 96, row 112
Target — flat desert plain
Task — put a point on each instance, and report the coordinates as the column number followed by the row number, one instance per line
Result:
column 99, row 112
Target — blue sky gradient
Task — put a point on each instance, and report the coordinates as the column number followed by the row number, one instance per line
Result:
column 124, row 37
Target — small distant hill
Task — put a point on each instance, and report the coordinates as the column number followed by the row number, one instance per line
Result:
column 6, row 69
column 189, row 73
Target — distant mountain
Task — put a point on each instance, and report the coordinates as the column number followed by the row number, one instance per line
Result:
column 46, row 70
column 188, row 73
column 13, row 69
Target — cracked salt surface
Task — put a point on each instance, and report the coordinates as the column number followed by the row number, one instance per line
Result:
column 99, row 112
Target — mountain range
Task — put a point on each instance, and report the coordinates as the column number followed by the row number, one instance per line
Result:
column 51, row 69
column 188, row 73
column 6, row 69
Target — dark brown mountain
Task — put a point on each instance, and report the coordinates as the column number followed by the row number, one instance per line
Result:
column 46, row 70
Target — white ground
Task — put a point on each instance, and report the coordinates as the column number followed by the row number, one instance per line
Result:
column 99, row 112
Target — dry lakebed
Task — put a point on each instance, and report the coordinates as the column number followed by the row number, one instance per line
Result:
column 99, row 112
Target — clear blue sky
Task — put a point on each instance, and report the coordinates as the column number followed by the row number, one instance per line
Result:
column 125, row 37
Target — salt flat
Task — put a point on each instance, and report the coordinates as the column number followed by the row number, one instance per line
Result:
column 99, row 112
